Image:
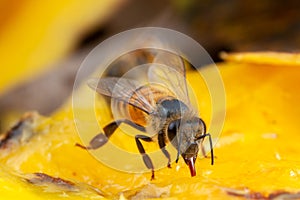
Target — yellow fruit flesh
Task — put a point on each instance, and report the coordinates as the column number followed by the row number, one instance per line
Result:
column 257, row 150
column 264, row 57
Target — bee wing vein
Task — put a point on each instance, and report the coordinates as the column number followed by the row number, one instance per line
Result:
column 171, row 74
column 122, row 89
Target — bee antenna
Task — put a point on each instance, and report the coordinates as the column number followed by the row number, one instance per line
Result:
column 211, row 149
column 211, row 145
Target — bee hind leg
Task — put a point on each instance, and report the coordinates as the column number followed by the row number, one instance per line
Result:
column 101, row 139
column 142, row 151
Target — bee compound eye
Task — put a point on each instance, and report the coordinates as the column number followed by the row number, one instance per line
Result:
column 172, row 129
column 172, row 126
column 203, row 125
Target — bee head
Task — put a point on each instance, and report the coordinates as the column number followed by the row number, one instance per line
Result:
column 185, row 135
column 190, row 156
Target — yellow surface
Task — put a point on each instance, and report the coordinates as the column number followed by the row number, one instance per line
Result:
column 14, row 186
column 35, row 34
column 264, row 57
column 258, row 150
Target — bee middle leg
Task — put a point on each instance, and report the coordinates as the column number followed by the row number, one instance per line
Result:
column 142, row 151
column 102, row 138
column 162, row 145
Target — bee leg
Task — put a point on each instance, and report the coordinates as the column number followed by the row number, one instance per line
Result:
column 162, row 145
column 132, row 124
column 203, row 150
column 142, row 151
column 211, row 146
column 101, row 139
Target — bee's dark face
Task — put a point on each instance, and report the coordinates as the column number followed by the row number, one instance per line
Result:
column 187, row 140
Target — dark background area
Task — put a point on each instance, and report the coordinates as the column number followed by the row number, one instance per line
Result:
column 218, row 25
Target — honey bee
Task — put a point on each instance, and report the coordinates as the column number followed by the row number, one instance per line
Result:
column 160, row 108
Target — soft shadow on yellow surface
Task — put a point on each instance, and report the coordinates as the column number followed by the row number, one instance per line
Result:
column 257, row 154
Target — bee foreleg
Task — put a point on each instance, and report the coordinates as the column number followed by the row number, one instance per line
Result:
column 203, row 149
column 142, row 151
column 162, row 145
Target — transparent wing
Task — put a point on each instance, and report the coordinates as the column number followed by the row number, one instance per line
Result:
column 172, row 60
column 169, row 70
column 123, row 89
